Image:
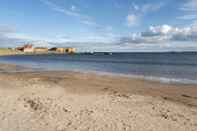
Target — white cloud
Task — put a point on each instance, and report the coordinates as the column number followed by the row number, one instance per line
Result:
column 89, row 23
column 189, row 9
column 117, row 5
column 151, row 7
column 148, row 7
column 188, row 17
column 106, row 37
column 7, row 38
column 161, row 38
column 156, row 38
column 136, row 7
column 138, row 11
column 42, row 43
column 84, row 41
column 162, row 35
column 190, row 5
column 194, row 22
column 161, row 30
column 59, row 9
column 73, row 12
column 4, row 29
column 73, row 8
column 15, row 35
column 108, row 28
column 131, row 20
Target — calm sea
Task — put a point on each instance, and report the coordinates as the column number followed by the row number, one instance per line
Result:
column 165, row 67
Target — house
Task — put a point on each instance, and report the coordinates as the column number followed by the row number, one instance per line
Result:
column 28, row 48
column 70, row 50
column 63, row 50
column 53, row 49
column 58, row 50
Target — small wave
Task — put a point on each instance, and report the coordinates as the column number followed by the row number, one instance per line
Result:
column 171, row 80
column 151, row 78
column 37, row 67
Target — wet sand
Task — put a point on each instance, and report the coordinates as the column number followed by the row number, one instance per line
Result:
column 66, row 101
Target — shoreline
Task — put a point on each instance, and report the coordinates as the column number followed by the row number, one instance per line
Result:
column 162, row 80
column 18, row 53
column 16, row 70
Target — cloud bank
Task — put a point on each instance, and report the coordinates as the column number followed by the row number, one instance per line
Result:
column 156, row 38
column 6, row 39
column 163, row 34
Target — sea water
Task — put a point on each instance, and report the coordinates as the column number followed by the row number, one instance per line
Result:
column 166, row 67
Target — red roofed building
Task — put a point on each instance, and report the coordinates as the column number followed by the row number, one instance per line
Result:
column 26, row 48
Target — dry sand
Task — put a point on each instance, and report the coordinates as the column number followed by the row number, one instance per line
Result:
column 71, row 101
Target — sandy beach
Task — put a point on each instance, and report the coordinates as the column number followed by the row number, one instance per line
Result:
column 73, row 101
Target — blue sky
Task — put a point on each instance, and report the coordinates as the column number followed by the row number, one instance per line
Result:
column 100, row 25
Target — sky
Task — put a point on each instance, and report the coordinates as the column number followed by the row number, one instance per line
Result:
column 100, row 25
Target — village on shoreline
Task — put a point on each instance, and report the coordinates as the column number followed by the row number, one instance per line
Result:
column 30, row 49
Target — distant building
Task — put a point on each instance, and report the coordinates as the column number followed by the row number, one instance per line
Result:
column 30, row 49
column 26, row 48
column 40, row 49
column 53, row 49
column 70, row 50
column 63, row 50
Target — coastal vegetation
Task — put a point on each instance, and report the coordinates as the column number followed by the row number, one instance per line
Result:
column 9, row 51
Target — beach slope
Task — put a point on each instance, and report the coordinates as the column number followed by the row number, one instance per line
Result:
column 68, row 101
